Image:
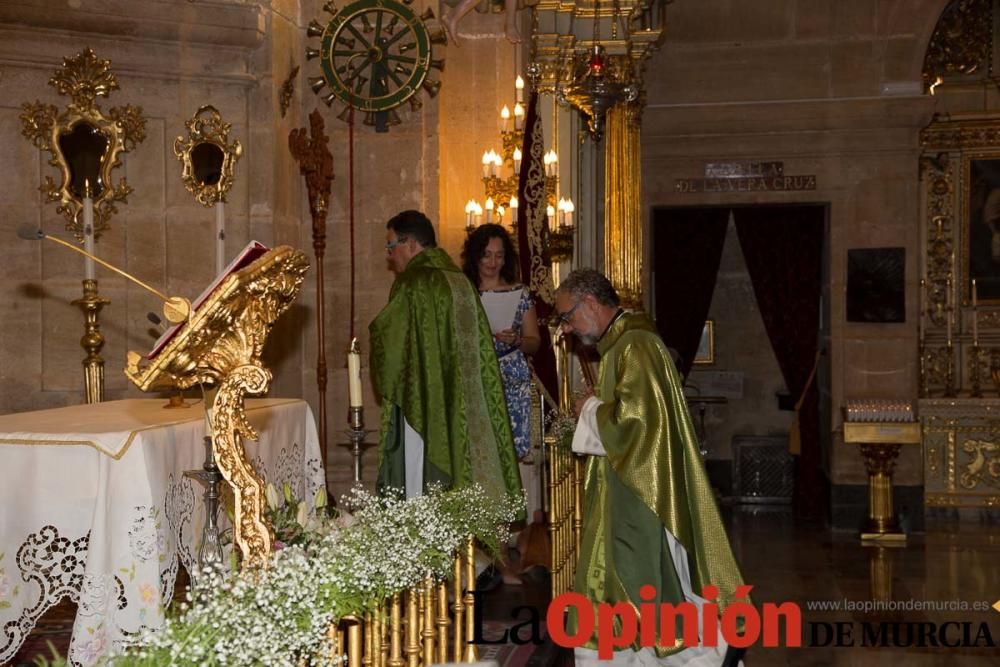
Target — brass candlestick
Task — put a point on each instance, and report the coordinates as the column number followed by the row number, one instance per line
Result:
column 356, row 434
column 974, row 372
column 210, row 550
column 949, row 375
column 92, row 341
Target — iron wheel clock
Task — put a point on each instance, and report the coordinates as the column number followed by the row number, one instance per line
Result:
column 374, row 56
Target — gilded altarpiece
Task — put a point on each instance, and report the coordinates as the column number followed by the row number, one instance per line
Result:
column 959, row 349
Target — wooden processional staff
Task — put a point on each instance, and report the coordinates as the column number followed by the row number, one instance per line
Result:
column 316, row 165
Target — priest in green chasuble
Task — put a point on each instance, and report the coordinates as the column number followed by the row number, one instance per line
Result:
column 650, row 516
column 444, row 415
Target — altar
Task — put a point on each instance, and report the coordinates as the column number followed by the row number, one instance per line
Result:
column 94, row 505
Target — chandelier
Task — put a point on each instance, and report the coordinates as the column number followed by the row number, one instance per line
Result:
column 501, row 178
column 590, row 73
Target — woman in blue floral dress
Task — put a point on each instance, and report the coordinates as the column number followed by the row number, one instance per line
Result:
column 490, row 262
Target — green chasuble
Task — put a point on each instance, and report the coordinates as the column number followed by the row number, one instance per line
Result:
column 652, row 479
column 433, row 362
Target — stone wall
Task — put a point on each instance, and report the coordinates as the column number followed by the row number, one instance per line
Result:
column 170, row 58
column 830, row 89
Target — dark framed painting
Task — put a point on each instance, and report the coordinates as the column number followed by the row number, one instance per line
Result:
column 876, row 285
column 981, row 228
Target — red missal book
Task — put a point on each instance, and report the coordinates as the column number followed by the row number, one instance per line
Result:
column 250, row 253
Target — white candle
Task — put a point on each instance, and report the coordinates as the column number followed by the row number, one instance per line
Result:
column 975, row 315
column 517, row 162
column 519, row 89
column 551, row 213
column 569, row 212
column 354, row 375
column 489, row 210
column 88, row 234
column 487, row 164
column 220, row 237
column 518, row 116
column 504, row 118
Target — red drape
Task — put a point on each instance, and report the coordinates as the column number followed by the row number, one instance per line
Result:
column 532, row 233
column 687, row 247
column 783, row 249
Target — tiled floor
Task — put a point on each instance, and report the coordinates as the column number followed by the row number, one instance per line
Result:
column 953, row 563
column 789, row 560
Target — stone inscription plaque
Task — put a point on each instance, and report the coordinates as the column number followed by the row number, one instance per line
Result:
column 745, row 184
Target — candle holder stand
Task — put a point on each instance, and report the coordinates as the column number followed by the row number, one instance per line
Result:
column 356, row 434
column 210, row 550
column 92, row 341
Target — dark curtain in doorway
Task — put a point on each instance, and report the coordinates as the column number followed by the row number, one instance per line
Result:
column 783, row 247
column 687, row 249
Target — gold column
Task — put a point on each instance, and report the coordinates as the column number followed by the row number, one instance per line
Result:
column 623, row 238
column 471, row 650
column 92, row 341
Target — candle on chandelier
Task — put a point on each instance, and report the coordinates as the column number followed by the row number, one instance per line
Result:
column 517, row 161
column 569, row 209
column 497, row 163
column 500, row 212
column 518, row 116
column 519, row 89
column 489, row 210
column 478, row 214
column 513, row 205
column 470, row 209
column 504, row 118
column 550, row 212
column 487, row 164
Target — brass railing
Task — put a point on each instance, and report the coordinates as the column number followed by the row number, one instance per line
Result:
column 431, row 623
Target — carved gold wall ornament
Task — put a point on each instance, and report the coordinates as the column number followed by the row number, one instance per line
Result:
column 84, row 143
column 962, row 41
column 207, row 156
column 288, row 90
column 222, row 344
column 983, row 466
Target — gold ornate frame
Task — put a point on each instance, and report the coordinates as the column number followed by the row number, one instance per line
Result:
column 207, row 129
column 84, row 78
column 973, row 207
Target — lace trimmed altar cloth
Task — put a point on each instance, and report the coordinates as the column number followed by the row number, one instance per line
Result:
column 94, row 505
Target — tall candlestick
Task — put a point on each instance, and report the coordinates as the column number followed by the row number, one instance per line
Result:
column 88, row 230
column 975, row 314
column 354, row 375
column 923, row 310
column 220, row 237
column 950, row 309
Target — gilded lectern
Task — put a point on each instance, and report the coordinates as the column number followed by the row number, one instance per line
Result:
column 221, row 344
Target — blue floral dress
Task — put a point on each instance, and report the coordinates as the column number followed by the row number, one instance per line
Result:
column 516, row 376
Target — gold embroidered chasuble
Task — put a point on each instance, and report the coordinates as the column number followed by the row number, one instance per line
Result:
column 652, row 479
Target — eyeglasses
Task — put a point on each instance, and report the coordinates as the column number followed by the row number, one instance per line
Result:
column 391, row 245
column 563, row 318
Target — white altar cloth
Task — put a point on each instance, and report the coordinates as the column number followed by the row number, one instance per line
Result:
column 94, row 505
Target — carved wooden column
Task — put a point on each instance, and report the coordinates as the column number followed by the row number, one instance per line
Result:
column 316, row 165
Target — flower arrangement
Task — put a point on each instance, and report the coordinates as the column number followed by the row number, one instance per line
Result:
column 279, row 616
